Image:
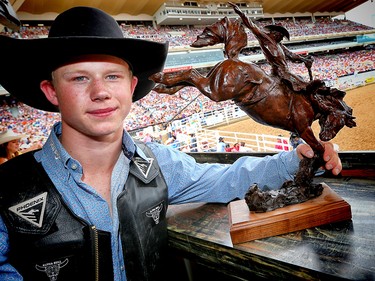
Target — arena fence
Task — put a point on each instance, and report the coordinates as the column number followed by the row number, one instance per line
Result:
column 207, row 141
column 202, row 126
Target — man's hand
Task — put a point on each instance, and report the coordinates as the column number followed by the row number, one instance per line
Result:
column 235, row 7
column 308, row 63
column 330, row 156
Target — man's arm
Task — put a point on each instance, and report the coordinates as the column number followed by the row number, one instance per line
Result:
column 295, row 57
column 7, row 272
column 247, row 22
column 307, row 60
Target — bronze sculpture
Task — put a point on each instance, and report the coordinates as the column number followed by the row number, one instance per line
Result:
column 281, row 99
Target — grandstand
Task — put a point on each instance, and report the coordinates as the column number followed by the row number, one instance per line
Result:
column 341, row 48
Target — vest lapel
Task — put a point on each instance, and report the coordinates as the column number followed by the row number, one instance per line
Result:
column 143, row 169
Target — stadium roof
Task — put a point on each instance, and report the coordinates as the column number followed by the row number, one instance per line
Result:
column 149, row 7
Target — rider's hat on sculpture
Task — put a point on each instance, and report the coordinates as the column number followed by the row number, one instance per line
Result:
column 278, row 28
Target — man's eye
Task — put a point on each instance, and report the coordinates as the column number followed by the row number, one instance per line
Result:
column 112, row 77
column 80, row 78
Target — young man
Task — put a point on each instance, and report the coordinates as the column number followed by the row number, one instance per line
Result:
column 91, row 203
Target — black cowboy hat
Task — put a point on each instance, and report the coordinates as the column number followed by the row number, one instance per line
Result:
column 280, row 29
column 77, row 31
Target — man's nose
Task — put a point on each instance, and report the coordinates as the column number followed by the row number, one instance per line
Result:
column 99, row 90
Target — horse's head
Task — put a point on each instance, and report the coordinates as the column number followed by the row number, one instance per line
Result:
column 331, row 110
column 332, row 123
column 211, row 35
column 226, row 31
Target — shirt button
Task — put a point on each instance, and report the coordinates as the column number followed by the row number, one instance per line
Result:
column 122, row 268
column 74, row 166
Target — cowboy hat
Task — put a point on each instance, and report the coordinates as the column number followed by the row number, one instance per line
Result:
column 278, row 28
column 77, row 31
column 9, row 135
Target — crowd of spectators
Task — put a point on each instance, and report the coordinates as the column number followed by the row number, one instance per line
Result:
column 157, row 109
column 22, row 119
column 178, row 36
column 185, row 35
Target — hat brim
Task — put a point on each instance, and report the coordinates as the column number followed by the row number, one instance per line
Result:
column 11, row 138
column 280, row 29
column 27, row 62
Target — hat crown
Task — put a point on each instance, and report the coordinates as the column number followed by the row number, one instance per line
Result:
column 278, row 28
column 85, row 22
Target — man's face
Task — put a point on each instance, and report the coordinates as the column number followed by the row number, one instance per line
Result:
column 277, row 35
column 93, row 93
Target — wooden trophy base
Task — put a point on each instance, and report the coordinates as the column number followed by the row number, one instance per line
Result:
column 246, row 226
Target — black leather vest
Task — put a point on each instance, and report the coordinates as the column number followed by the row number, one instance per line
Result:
column 49, row 241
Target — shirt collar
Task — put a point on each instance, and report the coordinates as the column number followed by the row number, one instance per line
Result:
column 130, row 148
column 54, row 146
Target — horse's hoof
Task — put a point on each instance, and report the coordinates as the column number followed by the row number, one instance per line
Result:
column 156, row 77
column 159, row 88
column 327, row 135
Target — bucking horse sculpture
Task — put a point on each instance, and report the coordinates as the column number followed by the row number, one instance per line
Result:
column 268, row 100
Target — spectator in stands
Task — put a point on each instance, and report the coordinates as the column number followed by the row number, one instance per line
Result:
column 147, row 137
column 243, row 147
column 227, row 148
column 175, row 143
column 193, row 143
column 236, row 147
column 221, row 145
column 9, row 145
column 295, row 140
column 89, row 159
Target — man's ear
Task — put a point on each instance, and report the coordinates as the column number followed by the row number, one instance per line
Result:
column 133, row 84
column 49, row 91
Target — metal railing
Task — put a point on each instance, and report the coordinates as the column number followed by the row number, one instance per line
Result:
column 205, row 139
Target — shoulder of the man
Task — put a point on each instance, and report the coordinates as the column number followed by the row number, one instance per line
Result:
column 18, row 172
column 18, row 166
column 26, row 185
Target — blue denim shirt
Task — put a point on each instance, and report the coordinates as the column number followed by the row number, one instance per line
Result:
column 187, row 181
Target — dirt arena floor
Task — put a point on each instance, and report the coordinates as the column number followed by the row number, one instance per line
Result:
column 362, row 137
